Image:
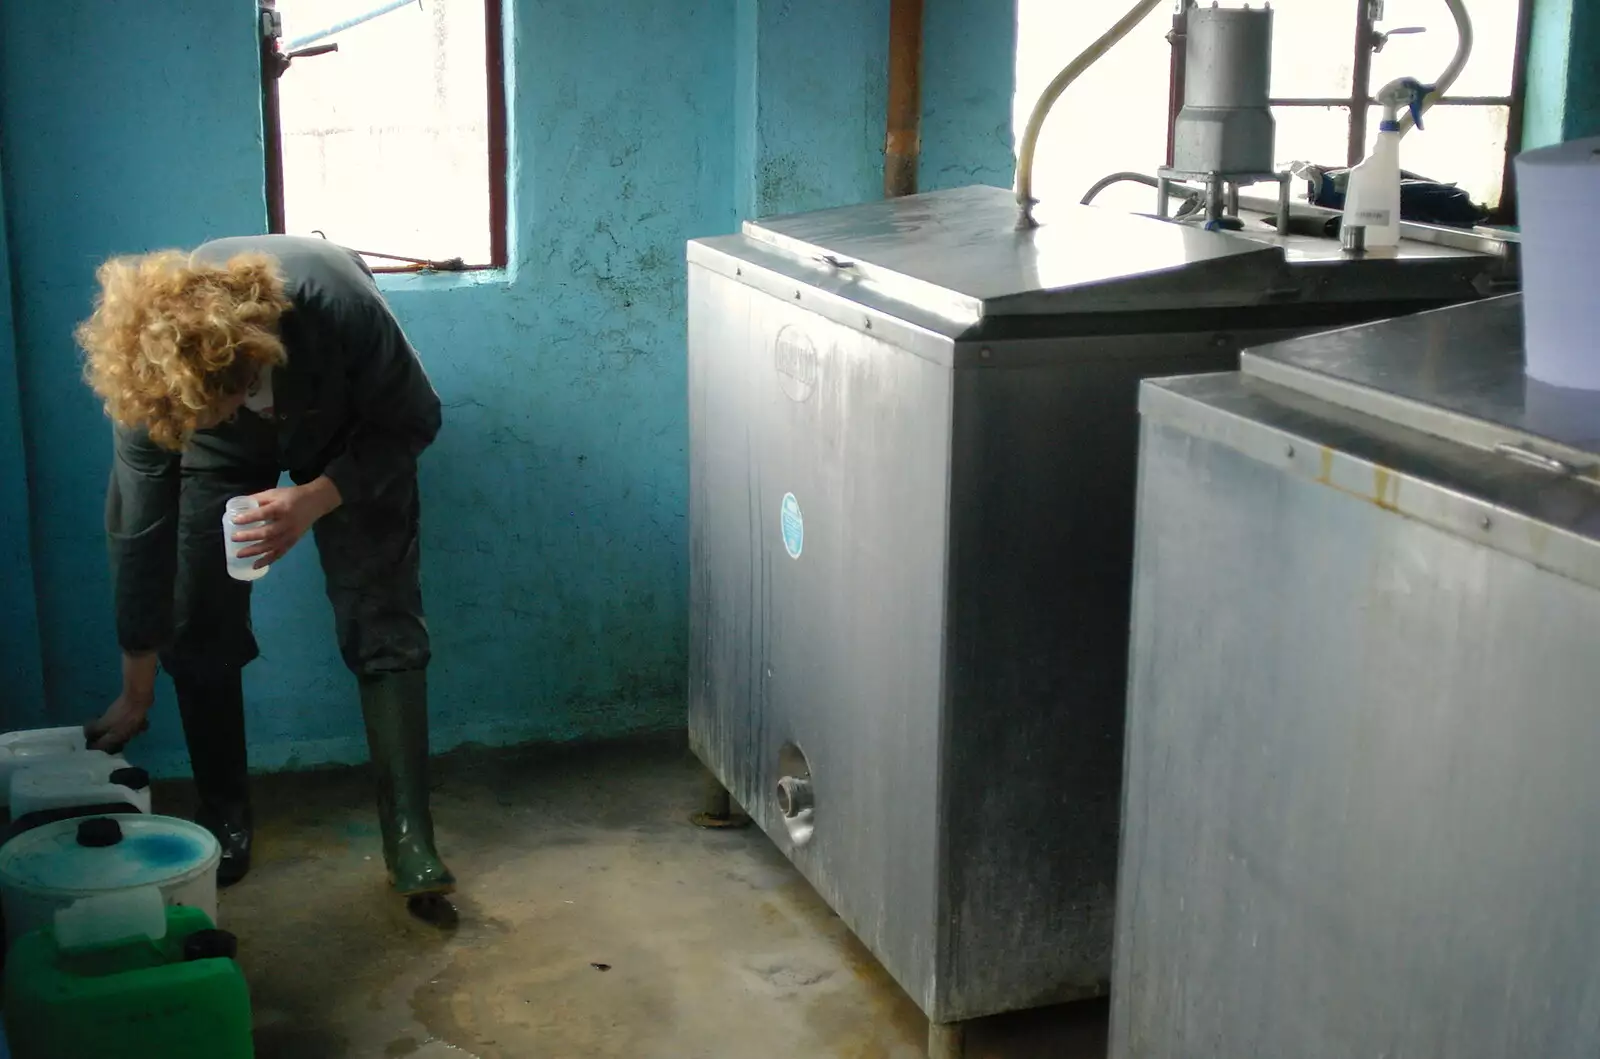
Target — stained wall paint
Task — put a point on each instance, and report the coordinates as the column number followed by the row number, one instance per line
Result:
column 1583, row 71
column 1563, row 90
column 821, row 87
column 554, row 536
column 966, row 123
column 811, row 87
column 23, row 693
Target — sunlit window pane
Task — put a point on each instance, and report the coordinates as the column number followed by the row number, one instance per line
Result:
column 1425, row 55
column 1113, row 118
column 1319, row 135
column 1459, row 145
column 1313, row 48
column 385, row 142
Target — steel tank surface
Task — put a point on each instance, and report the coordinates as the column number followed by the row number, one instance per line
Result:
column 913, row 434
column 1364, row 709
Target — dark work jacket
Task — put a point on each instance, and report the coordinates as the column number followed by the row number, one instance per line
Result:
column 352, row 402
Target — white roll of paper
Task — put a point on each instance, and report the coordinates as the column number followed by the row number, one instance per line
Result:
column 1558, row 207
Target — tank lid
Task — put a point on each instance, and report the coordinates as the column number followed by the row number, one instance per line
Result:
column 121, row 851
column 1457, row 373
column 958, row 253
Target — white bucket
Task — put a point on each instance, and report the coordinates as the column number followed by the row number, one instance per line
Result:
column 92, row 778
column 1556, row 191
column 21, row 749
column 51, row 866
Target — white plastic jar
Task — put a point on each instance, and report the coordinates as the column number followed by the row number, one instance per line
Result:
column 239, row 569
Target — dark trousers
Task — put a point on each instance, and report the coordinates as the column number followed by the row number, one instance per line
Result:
column 370, row 562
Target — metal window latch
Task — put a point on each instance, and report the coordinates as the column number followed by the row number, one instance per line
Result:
column 276, row 59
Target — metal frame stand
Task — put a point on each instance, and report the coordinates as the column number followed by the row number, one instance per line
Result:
column 718, row 812
column 1222, row 192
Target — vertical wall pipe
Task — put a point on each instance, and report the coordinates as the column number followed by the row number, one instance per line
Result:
column 903, row 143
column 271, row 128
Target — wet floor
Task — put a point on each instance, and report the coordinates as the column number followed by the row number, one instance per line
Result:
column 593, row 920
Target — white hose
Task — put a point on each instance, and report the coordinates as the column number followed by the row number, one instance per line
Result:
column 1041, row 109
column 1452, row 72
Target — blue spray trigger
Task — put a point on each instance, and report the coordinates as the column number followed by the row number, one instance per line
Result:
column 1419, row 92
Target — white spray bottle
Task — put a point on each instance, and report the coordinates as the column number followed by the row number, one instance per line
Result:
column 1372, row 195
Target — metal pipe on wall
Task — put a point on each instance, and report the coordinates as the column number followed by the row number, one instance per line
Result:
column 270, row 26
column 1176, row 76
column 903, row 142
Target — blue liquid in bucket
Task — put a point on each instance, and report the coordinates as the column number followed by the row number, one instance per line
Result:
column 165, row 851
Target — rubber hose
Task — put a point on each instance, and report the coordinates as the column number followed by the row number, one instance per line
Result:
column 1452, row 73
column 1041, row 110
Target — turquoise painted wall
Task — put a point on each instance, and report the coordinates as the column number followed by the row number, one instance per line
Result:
column 23, row 694
column 966, row 122
column 554, row 534
column 1563, row 92
column 1583, row 71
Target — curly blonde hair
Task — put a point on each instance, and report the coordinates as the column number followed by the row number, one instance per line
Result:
column 171, row 339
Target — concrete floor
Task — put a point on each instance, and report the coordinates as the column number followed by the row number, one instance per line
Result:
column 593, row 921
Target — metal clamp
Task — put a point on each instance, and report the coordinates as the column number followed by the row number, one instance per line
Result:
column 1535, row 459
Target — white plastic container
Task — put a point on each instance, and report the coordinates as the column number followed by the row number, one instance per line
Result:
column 1372, row 198
column 239, row 569
column 1556, row 191
column 92, row 778
column 90, row 922
column 19, row 750
column 52, row 866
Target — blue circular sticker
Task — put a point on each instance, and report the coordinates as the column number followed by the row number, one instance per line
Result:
column 794, row 526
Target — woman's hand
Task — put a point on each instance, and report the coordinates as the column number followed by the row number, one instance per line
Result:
column 127, row 716
column 283, row 518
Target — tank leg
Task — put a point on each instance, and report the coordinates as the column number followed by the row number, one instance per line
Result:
column 947, row 1040
column 718, row 811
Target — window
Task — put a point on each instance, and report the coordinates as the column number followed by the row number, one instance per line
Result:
column 1324, row 72
column 386, row 128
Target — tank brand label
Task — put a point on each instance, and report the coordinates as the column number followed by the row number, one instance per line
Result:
column 796, row 361
column 794, row 526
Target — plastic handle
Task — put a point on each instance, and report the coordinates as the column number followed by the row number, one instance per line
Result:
column 1419, row 93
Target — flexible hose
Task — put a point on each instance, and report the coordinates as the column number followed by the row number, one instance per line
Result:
column 1117, row 178
column 1452, row 72
column 1189, row 195
column 1041, row 110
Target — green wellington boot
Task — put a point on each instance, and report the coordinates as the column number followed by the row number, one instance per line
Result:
column 395, row 706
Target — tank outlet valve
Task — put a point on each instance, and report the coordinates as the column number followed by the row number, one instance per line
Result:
column 794, row 797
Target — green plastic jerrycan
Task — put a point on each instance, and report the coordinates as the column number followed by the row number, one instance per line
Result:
column 180, row 996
